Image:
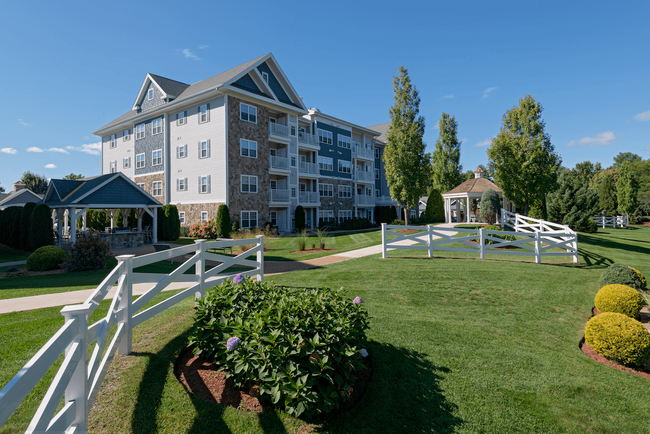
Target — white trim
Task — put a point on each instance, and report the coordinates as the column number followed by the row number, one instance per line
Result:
column 225, row 102
column 241, row 105
column 241, row 184
column 153, row 188
column 265, row 101
column 241, row 148
column 111, row 179
column 207, row 113
column 143, row 161
column 140, row 175
column 153, row 159
column 153, row 128
column 258, row 79
column 275, row 65
column 241, row 218
column 142, row 89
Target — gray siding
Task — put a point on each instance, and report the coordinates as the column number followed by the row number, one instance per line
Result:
column 147, row 145
column 146, row 103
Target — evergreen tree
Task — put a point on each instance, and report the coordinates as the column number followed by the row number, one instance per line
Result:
column 607, row 196
column 627, row 189
column 14, row 234
column 40, row 232
column 171, row 223
column 73, row 177
column 300, row 218
column 435, row 211
column 223, row 221
column 522, row 156
column 573, row 203
column 407, row 168
column 36, row 183
column 447, row 170
column 626, row 156
column 490, row 206
column 25, row 220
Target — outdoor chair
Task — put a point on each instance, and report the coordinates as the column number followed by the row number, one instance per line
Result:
column 162, row 247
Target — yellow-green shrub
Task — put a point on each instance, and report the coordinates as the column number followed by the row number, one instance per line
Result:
column 619, row 338
column 641, row 277
column 620, row 299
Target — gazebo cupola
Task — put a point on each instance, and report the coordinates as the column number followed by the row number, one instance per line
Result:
column 465, row 193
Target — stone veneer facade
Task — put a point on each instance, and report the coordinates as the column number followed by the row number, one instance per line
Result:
column 239, row 165
column 193, row 211
column 148, row 181
column 337, row 203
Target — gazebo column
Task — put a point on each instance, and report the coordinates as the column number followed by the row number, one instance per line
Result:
column 467, row 209
column 59, row 227
column 84, row 221
column 155, row 225
column 125, row 215
column 457, row 210
column 65, row 220
column 73, row 225
column 139, row 213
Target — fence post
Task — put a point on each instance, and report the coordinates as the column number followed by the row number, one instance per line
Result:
column 126, row 261
column 538, row 252
column 199, row 268
column 503, row 218
column 383, row 241
column 575, row 248
column 260, row 258
column 430, row 232
column 77, row 389
column 482, row 234
column 516, row 222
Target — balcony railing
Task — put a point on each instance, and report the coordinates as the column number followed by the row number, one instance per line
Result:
column 308, row 168
column 280, row 163
column 278, row 195
column 307, row 139
column 385, row 200
column 364, row 199
column 278, row 130
column 364, row 176
column 309, row 197
column 359, row 152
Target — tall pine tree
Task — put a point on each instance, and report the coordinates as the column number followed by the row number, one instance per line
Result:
column 607, row 195
column 447, row 170
column 407, row 167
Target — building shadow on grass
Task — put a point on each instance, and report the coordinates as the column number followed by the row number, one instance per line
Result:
column 591, row 240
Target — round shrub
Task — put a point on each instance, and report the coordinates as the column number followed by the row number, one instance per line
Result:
column 619, row 338
column 644, row 282
column 46, row 258
column 621, row 274
column 620, row 299
column 87, row 253
column 301, row 346
column 503, row 237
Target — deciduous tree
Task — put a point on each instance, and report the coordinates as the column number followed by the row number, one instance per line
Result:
column 36, row 183
column 447, row 170
column 607, row 195
column 73, row 177
column 627, row 189
column 626, row 156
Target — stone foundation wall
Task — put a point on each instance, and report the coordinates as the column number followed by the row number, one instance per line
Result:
column 193, row 211
column 148, row 184
column 123, row 240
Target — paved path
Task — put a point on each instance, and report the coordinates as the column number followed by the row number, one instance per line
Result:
column 270, row 267
column 12, row 264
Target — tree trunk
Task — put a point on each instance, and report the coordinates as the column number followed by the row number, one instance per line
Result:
column 406, row 215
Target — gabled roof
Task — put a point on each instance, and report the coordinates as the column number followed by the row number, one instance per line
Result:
column 475, row 185
column 20, row 197
column 382, row 129
column 170, row 87
column 114, row 189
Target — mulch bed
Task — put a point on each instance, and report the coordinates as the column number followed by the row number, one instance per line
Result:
column 205, row 380
column 313, row 250
column 497, row 248
column 408, row 231
column 3, row 275
column 645, row 373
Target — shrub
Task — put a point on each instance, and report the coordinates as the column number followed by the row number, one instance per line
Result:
column 322, row 236
column 185, row 231
column 644, row 282
column 398, row 222
column 302, row 239
column 621, row 274
column 25, row 220
column 620, row 299
column 490, row 205
column 235, row 227
column 223, row 221
column 14, row 235
column 503, row 237
column 356, row 223
column 40, row 232
column 435, row 211
column 88, row 253
column 300, row 346
column 46, row 258
column 171, row 226
column 300, row 218
column 619, row 338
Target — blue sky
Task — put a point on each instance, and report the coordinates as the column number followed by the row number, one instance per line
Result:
column 69, row 68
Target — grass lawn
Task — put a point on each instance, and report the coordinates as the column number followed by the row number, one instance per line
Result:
column 10, row 255
column 458, row 345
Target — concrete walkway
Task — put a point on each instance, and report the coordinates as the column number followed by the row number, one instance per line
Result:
column 270, row 267
column 12, row 264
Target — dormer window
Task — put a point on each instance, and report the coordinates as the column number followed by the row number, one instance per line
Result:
column 151, row 93
column 265, row 77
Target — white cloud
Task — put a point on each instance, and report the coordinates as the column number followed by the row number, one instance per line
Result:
column 488, row 91
column 189, row 55
column 23, row 123
column 90, row 148
column 34, row 149
column 60, row 150
column 601, row 139
column 486, row 142
column 647, row 148
column 203, row 47
column 436, row 126
column 645, row 116
column 8, row 150
column 464, row 140
column 450, row 96
column 50, row 166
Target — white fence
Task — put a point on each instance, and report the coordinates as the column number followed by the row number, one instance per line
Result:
column 529, row 243
column 79, row 379
column 613, row 221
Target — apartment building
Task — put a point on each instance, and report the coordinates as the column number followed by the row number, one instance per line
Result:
column 245, row 138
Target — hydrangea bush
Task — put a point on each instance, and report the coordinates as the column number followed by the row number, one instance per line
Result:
column 300, row 346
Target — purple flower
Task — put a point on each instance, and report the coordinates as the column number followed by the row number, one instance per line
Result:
column 232, row 343
column 357, row 300
column 363, row 352
column 239, row 278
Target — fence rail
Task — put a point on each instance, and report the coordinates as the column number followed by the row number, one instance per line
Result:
column 78, row 379
column 613, row 221
column 542, row 242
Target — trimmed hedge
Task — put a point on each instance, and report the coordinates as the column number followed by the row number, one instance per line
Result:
column 25, row 222
column 618, row 338
column 435, row 211
column 46, row 258
column 40, row 232
column 171, row 227
column 621, row 274
column 14, row 235
column 620, row 299
column 223, row 221
column 300, row 218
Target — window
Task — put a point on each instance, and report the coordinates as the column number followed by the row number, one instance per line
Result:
column 376, row 173
column 156, row 159
column 181, row 217
column 248, row 148
column 345, row 191
column 151, row 93
column 376, row 192
column 344, row 141
column 294, row 192
column 113, row 166
column 157, row 188
column 274, row 218
column 274, row 184
column 126, row 135
column 181, row 184
column 180, row 118
column 293, row 161
column 127, row 162
column 345, row 215
column 412, row 213
column 377, row 153
column 293, row 130
column 204, row 216
column 139, row 131
column 139, row 161
column 204, row 149
column 265, row 77
column 345, row 166
column 248, row 219
column 156, row 126
column 204, row 184
column 326, row 216
column 325, row 137
column 113, row 144
column 248, row 184
column 325, row 163
column 204, row 114
column 181, row 151
column 248, row 113
column 326, row 190
column 141, row 185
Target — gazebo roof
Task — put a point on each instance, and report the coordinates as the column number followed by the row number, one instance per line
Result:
column 474, row 185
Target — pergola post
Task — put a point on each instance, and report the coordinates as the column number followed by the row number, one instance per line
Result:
column 59, row 228
column 83, row 221
column 467, row 209
column 139, row 213
column 458, row 210
column 73, row 225
column 65, row 219
column 125, row 215
column 155, row 225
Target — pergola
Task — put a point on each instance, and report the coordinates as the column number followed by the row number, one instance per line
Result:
column 70, row 199
column 470, row 190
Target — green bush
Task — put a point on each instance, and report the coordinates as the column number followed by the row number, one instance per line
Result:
column 2, row 230
column 589, row 227
column 619, row 338
column 40, row 232
column 300, row 218
column 87, row 253
column 356, row 223
column 435, row 211
column 223, row 221
column 644, row 282
column 621, row 274
column 235, row 227
column 301, row 346
column 185, row 231
column 502, row 237
column 490, row 205
column 398, row 222
column 46, row 258
column 620, row 299
column 25, row 220
column 14, row 235
column 171, row 227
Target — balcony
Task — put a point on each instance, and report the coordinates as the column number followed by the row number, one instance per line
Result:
column 278, row 163
column 367, row 177
column 364, row 200
column 308, row 169
column 307, row 140
column 309, row 197
column 366, row 154
column 278, row 131
column 278, row 195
